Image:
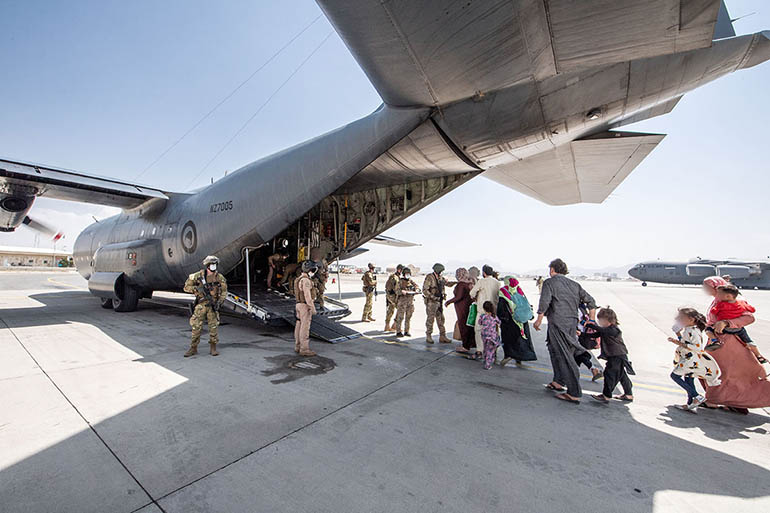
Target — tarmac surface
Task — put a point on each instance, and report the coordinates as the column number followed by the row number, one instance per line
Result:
column 101, row 413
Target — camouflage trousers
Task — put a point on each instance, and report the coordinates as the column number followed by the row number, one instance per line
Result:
column 434, row 312
column 368, row 306
column 405, row 309
column 391, row 308
column 204, row 313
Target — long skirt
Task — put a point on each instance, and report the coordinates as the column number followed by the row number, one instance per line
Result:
column 563, row 346
column 744, row 380
column 467, row 334
column 514, row 345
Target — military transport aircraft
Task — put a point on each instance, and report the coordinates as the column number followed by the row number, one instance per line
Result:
column 747, row 274
column 527, row 92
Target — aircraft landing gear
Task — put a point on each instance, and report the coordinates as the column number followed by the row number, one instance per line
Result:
column 644, row 284
column 128, row 302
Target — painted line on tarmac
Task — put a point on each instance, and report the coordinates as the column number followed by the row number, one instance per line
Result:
column 57, row 282
column 537, row 368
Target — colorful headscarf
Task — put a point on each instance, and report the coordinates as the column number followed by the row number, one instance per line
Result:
column 507, row 291
column 713, row 282
column 462, row 275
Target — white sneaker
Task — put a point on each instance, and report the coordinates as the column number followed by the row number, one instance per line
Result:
column 697, row 402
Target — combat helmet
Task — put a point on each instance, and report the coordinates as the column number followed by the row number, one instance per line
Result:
column 308, row 266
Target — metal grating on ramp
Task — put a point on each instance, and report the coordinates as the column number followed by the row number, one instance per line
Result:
column 273, row 307
column 329, row 330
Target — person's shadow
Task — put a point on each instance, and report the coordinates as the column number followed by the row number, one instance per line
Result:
column 717, row 424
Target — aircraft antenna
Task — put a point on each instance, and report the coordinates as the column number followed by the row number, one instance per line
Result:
column 229, row 95
column 243, row 127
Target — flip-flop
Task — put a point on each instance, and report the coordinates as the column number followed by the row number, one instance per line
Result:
column 600, row 398
column 623, row 398
column 549, row 386
column 563, row 397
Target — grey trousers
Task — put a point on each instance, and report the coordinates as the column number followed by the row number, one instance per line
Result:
column 562, row 349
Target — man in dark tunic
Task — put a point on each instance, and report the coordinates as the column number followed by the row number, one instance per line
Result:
column 559, row 301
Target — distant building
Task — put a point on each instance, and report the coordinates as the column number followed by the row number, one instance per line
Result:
column 11, row 256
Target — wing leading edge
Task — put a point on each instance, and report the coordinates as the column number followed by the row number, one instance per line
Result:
column 28, row 179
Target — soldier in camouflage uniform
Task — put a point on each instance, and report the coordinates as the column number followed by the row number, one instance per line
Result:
column 210, row 289
column 405, row 293
column 391, row 297
column 370, row 289
column 433, row 290
column 319, row 279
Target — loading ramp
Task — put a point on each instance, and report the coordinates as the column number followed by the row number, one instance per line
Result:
column 276, row 308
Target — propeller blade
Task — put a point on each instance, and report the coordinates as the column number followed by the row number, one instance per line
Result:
column 43, row 228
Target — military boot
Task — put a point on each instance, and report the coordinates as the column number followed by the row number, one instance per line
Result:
column 192, row 351
column 213, row 350
column 443, row 339
column 428, row 339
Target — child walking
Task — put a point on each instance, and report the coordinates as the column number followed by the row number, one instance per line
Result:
column 490, row 333
column 691, row 359
column 614, row 350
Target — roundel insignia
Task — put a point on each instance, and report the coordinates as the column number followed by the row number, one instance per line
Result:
column 189, row 237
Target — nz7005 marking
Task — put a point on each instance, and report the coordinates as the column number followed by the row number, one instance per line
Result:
column 221, row 207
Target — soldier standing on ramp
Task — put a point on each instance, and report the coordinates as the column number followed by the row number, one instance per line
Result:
column 391, row 297
column 435, row 295
column 305, row 308
column 210, row 289
column 405, row 292
column 370, row 289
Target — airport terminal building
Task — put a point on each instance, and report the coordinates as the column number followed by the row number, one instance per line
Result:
column 12, row 256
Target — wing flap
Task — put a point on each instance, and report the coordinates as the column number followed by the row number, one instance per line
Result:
column 584, row 171
column 48, row 182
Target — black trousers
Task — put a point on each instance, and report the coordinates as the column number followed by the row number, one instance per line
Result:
column 614, row 373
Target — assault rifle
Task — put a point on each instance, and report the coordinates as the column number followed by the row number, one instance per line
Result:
column 204, row 289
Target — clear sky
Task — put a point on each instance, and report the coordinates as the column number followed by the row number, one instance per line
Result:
column 106, row 86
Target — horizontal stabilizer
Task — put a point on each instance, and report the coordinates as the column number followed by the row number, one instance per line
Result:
column 390, row 241
column 583, row 171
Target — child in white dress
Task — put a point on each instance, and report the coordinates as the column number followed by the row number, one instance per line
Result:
column 691, row 359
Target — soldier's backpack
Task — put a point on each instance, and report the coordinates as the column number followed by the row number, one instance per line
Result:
column 523, row 311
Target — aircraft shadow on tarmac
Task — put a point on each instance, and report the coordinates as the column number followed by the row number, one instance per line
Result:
column 210, row 428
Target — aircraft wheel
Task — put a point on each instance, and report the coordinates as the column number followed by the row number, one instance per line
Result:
column 644, row 284
column 129, row 302
column 106, row 302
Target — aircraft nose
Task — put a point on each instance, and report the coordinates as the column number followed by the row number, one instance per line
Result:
column 634, row 272
column 760, row 50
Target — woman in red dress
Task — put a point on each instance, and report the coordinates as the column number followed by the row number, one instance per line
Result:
column 744, row 380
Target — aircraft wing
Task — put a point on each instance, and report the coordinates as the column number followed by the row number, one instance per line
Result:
column 390, row 241
column 584, row 171
column 32, row 180
column 434, row 52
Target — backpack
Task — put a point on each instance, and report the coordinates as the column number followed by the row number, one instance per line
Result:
column 523, row 312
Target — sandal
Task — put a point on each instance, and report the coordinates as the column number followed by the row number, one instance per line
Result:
column 550, row 386
column 686, row 407
column 462, row 350
column 624, row 398
column 600, row 398
column 564, row 397
column 762, row 360
column 599, row 375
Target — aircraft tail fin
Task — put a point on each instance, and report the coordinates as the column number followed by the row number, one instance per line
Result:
column 724, row 25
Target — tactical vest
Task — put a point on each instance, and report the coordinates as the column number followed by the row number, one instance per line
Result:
column 299, row 294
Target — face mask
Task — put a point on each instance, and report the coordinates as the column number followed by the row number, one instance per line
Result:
column 213, row 267
column 311, row 274
column 677, row 327
column 407, row 276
